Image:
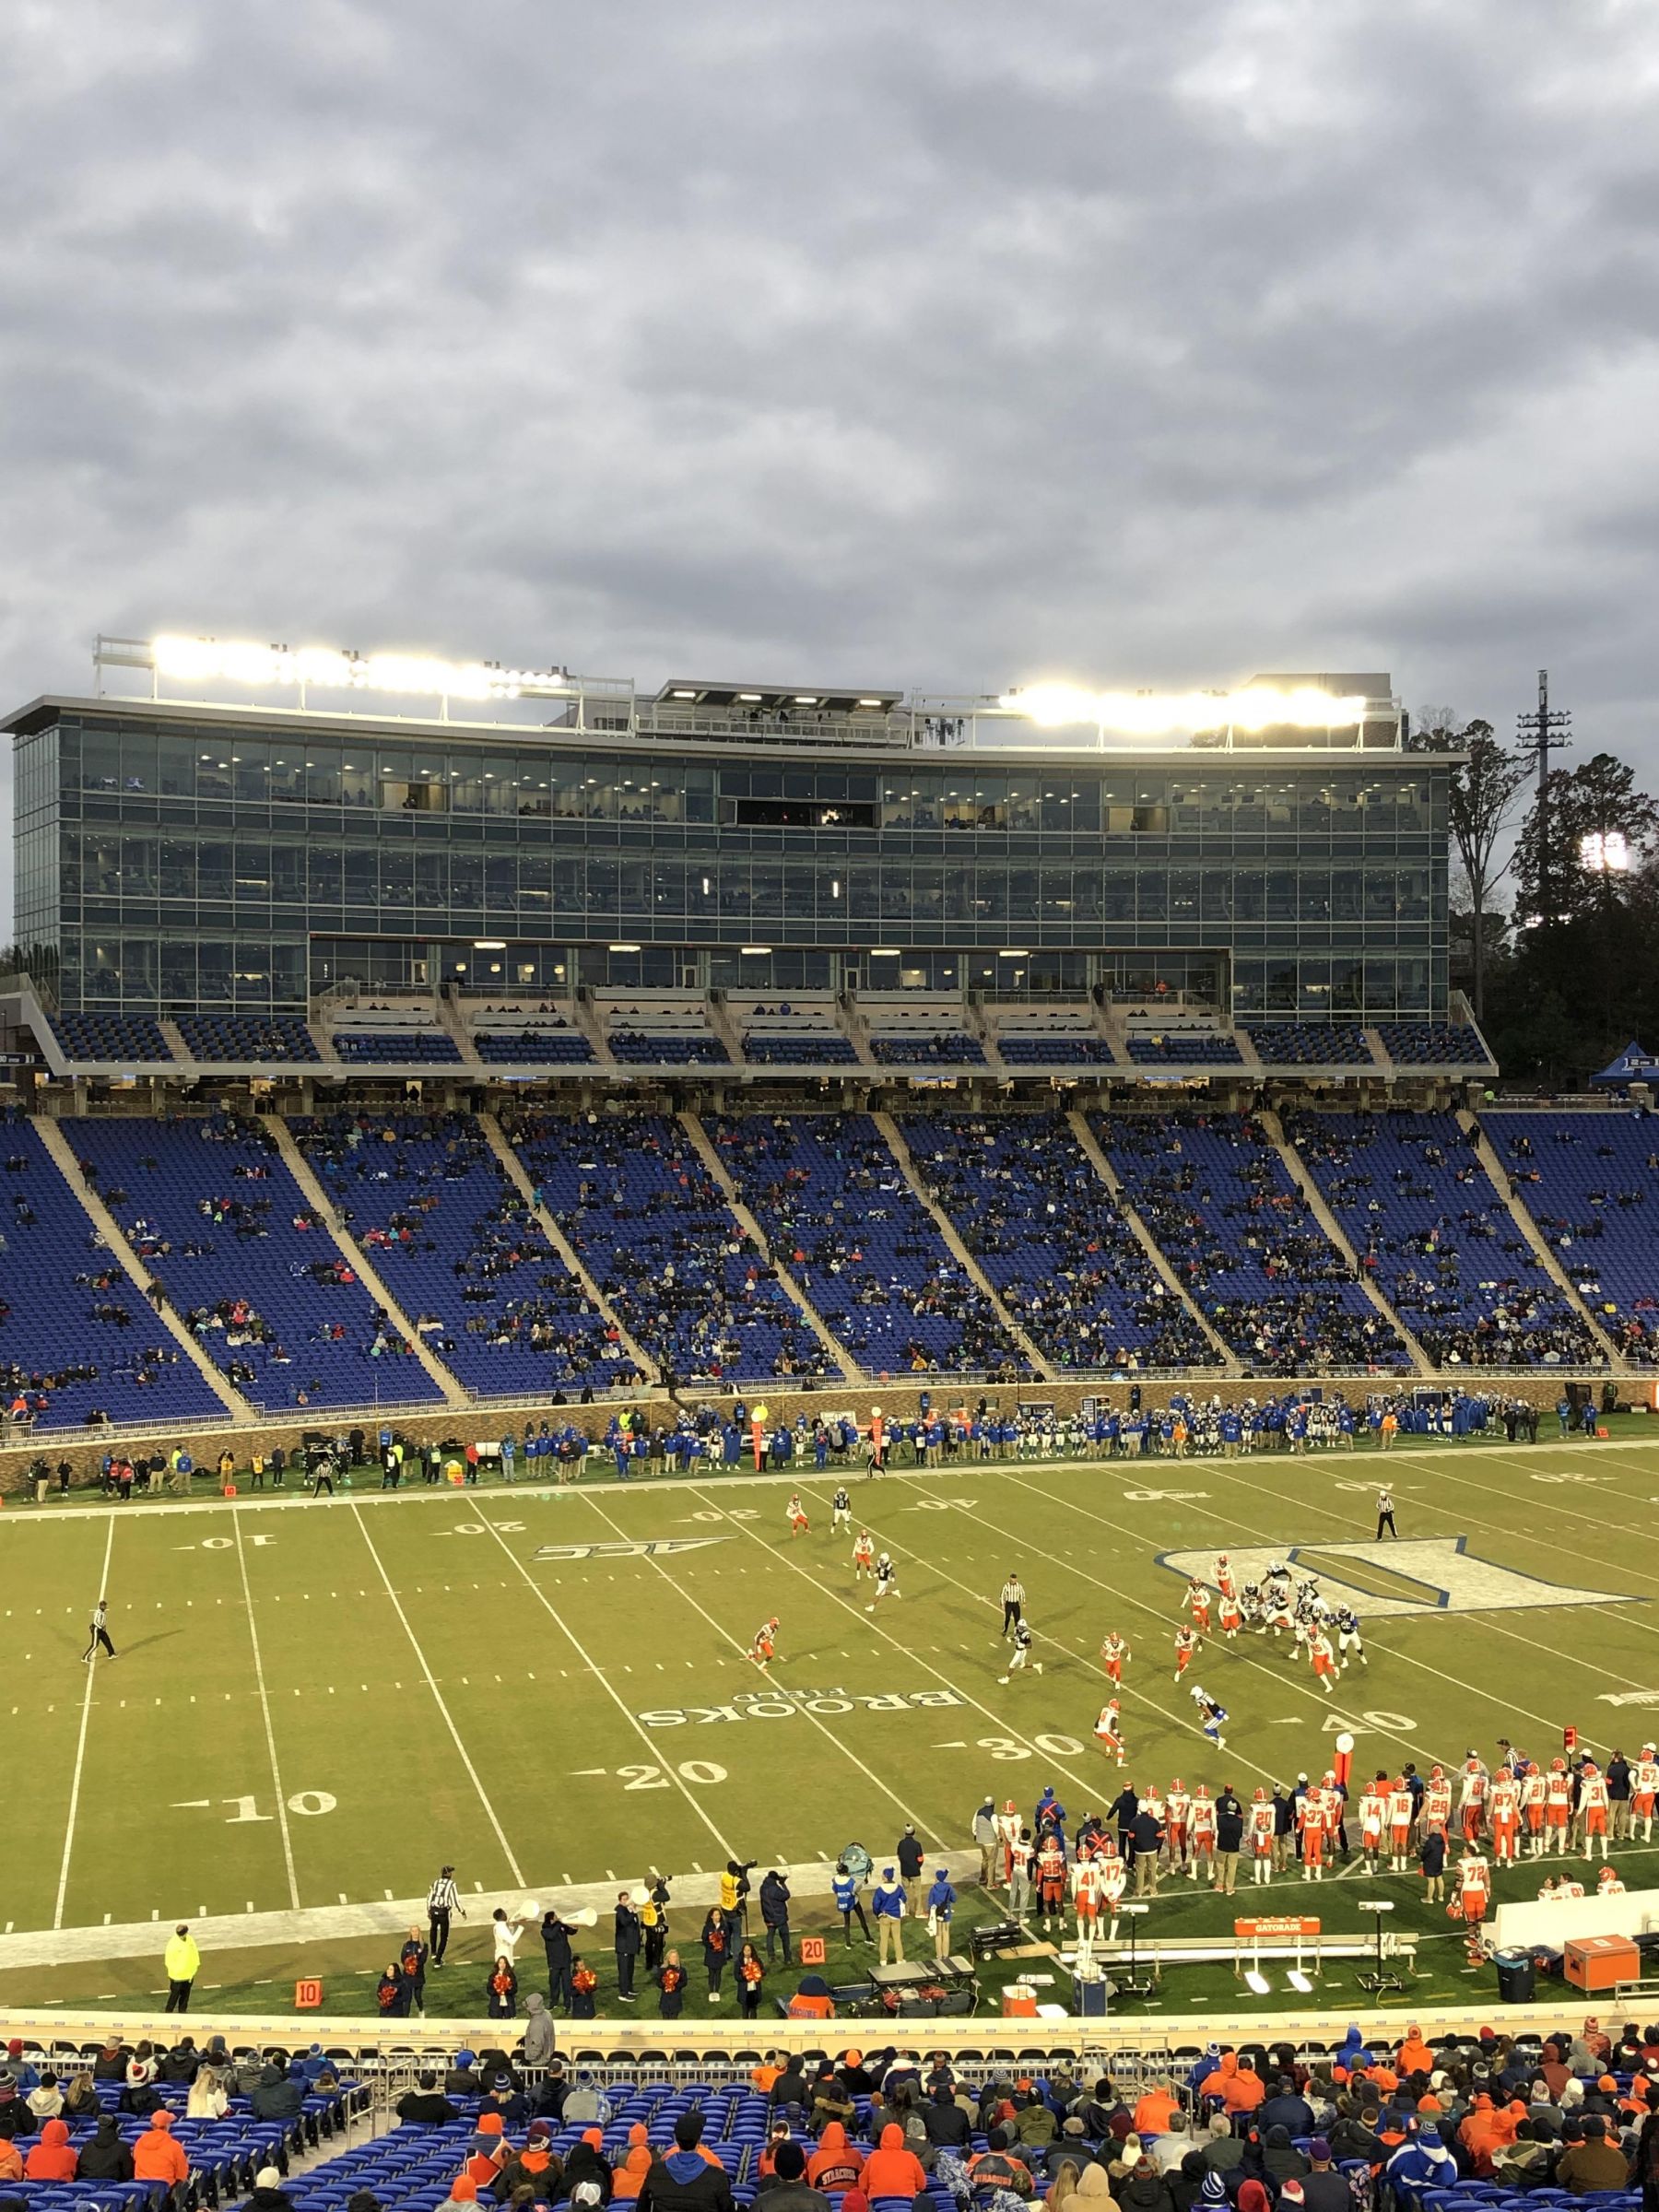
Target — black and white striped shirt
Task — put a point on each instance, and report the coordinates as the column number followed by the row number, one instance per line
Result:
column 443, row 1897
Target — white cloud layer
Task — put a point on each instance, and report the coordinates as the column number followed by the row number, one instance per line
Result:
column 914, row 343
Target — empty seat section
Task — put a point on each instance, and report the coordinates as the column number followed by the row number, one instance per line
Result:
column 395, row 1048
column 1311, row 1044
column 76, row 1334
column 1432, row 1044
column 927, row 1048
column 1216, row 1194
column 1027, row 1203
column 248, row 1037
column 1203, row 1050
column 119, row 1037
column 1418, row 1208
column 798, row 1048
column 211, row 1206
column 1591, row 1182
column 537, row 1041
column 458, row 1247
column 1058, row 1048
column 668, row 1048
column 831, row 1200
column 653, row 1228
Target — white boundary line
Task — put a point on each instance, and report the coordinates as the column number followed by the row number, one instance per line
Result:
column 1016, row 1734
column 605, row 1682
column 270, row 1733
column 501, row 1834
column 264, row 1502
column 80, row 1747
column 1482, row 1620
column 846, row 1750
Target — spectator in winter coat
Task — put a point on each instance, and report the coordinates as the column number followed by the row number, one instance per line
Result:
column 537, row 2167
column 947, row 2126
column 587, row 2162
column 1323, row 2189
column 276, row 2098
column 1594, row 2163
column 106, row 2158
column 786, row 2190
column 53, row 2158
column 1224, row 2150
column 836, row 2164
column 1145, row 2189
column 629, row 2178
column 682, row 2180
column 1422, row 2162
column 425, row 2105
column 155, row 2157
column 1287, row 2108
column 892, row 2170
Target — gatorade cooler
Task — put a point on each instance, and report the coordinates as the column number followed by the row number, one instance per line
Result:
column 1019, row 2002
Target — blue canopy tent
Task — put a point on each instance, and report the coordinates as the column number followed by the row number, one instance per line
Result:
column 1632, row 1065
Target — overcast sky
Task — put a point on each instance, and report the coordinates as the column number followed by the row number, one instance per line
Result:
column 923, row 344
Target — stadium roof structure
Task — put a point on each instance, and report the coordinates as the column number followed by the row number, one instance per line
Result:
column 772, row 699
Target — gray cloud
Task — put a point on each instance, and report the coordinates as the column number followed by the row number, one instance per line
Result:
column 946, row 344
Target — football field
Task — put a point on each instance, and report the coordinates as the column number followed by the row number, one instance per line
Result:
column 316, row 1704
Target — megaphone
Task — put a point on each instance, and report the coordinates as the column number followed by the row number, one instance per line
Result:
column 583, row 1917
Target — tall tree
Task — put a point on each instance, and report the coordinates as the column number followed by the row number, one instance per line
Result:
column 1484, row 789
column 1596, row 800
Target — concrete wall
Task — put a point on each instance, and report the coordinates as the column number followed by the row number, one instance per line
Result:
column 898, row 1401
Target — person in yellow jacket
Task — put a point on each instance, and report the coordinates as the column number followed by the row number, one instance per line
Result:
column 182, row 1962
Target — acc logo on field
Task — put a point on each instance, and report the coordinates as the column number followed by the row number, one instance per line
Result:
column 650, row 1548
column 1447, row 1580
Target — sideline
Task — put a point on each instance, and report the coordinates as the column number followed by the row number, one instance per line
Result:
column 798, row 1472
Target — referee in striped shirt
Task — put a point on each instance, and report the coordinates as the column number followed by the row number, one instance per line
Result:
column 442, row 1899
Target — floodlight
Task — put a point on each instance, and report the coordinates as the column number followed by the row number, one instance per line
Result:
column 1155, row 714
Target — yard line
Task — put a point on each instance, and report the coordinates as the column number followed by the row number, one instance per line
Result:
column 420, row 1658
column 1302, row 1690
column 1531, row 1638
column 1007, row 1727
column 604, row 1681
column 845, row 1749
column 270, row 1734
column 80, row 1748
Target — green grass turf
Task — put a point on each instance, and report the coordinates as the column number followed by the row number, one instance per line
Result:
column 460, row 1700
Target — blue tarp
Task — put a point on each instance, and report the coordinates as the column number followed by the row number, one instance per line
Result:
column 1632, row 1065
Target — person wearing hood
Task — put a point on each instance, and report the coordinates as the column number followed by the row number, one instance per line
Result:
column 157, row 2156
column 949, row 2126
column 587, row 2162
column 774, row 1914
column 1422, row 2162
column 106, row 2158
column 53, row 2158
column 892, row 2170
column 1255, row 2196
column 629, row 2178
column 11, row 2161
column 1094, row 2191
column 539, row 2040
column 1352, row 2052
column 425, row 2105
column 836, row 2164
column 682, row 2180
column 276, row 2098
column 1280, row 2158
column 787, row 2189
column 486, row 2155
column 1144, row 2189
column 1414, row 2056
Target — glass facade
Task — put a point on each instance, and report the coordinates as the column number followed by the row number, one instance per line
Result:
column 169, row 865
